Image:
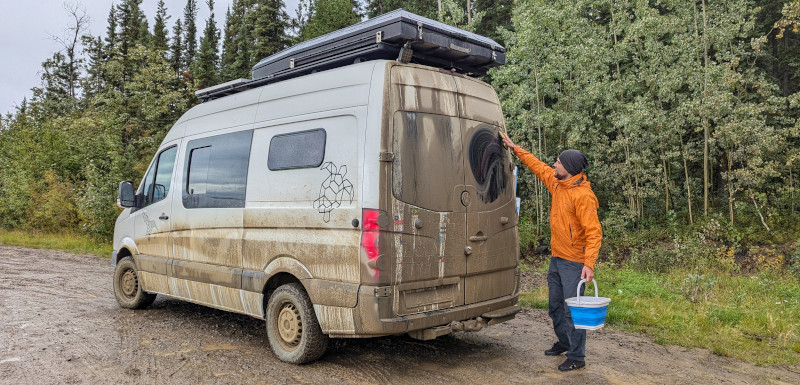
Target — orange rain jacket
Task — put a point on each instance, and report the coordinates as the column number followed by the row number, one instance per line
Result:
column 575, row 232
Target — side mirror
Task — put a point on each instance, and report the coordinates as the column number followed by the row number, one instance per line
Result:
column 125, row 196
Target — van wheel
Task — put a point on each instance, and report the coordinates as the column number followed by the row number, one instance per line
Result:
column 292, row 327
column 127, row 288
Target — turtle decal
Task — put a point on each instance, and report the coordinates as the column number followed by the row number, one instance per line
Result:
column 334, row 190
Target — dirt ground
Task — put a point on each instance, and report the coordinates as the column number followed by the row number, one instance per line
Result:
column 60, row 324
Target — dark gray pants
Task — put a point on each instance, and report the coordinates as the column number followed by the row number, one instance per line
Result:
column 562, row 281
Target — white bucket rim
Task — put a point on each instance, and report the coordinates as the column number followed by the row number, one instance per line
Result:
column 588, row 302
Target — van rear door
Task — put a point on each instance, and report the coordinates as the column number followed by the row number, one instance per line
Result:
column 453, row 200
column 491, row 213
column 429, row 222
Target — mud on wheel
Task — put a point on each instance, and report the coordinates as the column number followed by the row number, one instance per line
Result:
column 292, row 327
column 127, row 287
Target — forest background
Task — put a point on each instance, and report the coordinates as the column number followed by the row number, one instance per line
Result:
column 687, row 110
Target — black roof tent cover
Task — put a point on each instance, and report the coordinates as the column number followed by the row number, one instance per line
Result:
column 431, row 43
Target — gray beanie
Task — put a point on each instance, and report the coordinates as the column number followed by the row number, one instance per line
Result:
column 573, row 161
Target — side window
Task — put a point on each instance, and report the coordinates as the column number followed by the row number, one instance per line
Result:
column 156, row 183
column 304, row 149
column 198, row 170
column 215, row 172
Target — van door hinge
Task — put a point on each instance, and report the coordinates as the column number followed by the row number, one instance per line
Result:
column 386, row 157
column 383, row 291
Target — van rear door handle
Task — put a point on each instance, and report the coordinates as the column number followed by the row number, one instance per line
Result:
column 163, row 217
column 478, row 238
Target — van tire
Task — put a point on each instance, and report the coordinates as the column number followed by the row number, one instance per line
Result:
column 127, row 286
column 292, row 327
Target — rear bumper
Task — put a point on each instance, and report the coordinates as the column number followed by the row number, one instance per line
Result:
column 373, row 314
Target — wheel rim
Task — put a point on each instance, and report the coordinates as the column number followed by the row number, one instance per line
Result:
column 129, row 283
column 290, row 325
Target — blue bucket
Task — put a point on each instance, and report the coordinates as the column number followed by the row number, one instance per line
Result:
column 588, row 312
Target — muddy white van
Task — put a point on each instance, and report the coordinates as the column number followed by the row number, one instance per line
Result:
column 335, row 196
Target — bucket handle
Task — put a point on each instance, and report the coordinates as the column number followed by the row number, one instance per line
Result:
column 578, row 292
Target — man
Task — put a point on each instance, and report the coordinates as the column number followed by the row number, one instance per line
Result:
column 575, row 237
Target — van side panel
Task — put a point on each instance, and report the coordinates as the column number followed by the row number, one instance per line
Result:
column 306, row 213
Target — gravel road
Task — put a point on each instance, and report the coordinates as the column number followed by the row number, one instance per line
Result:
column 60, row 324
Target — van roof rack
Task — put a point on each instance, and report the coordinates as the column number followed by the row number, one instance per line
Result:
column 397, row 35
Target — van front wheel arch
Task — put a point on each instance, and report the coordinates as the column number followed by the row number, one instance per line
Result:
column 292, row 327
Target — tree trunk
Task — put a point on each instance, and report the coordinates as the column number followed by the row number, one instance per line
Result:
column 631, row 197
column 730, row 186
column 539, row 185
column 666, row 186
column 705, row 119
column 469, row 12
column 686, row 175
column 791, row 186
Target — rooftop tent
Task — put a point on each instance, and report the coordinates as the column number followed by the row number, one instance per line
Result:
column 421, row 40
column 431, row 42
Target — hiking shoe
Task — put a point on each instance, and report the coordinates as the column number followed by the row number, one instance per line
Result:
column 555, row 350
column 571, row 364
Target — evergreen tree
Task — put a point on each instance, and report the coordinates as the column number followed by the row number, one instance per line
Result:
column 236, row 35
column 329, row 15
column 96, row 55
column 160, row 38
column 243, row 61
column 53, row 97
column 132, row 25
column 269, row 23
column 111, row 39
column 205, row 69
column 177, row 47
column 190, row 33
column 426, row 8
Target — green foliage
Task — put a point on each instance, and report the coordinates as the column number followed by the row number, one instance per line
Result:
column 326, row 16
column 496, row 17
column 189, row 34
column 206, row 67
column 633, row 85
column 453, row 14
column 425, row 8
column 160, row 40
column 66, row 241
column 253, row 31
column 794, row 260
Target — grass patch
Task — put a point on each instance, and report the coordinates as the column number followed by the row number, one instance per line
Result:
column 536, row 298
column 753, row 318
column 55, row 241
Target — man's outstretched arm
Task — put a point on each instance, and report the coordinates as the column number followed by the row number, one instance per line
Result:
column 542, row 170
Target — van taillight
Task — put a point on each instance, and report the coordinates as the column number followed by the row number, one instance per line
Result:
column 370, row 237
